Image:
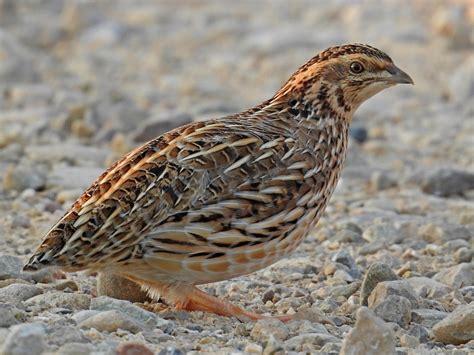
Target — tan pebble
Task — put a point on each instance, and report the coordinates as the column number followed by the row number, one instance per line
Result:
column 133, row 349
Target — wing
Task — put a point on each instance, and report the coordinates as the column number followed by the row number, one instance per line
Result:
column 197, row 190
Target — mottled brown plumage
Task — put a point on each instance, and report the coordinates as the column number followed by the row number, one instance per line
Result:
column 217, row 199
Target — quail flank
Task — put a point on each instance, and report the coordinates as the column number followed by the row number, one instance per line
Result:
column 217, row 199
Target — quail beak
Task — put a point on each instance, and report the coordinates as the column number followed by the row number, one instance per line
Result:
column 398, row 76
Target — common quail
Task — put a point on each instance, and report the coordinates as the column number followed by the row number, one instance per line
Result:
column 217, row 199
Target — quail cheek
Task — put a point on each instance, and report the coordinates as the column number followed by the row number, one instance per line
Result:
column 371, row 90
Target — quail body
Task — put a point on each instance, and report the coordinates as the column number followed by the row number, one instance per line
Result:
column 217, row 199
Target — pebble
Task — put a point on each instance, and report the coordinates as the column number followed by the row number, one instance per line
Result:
column 83, row 315
column 263, row 328
column 10, row 267
column 120, row 288
column 380, row 180
column 252, row 348
column 59, row 300
column 359, row 134
column 345, row 258
column 18, row 64
column 398, row 288
column 17, row 293
column 146, row 319
column 73, row 177
column 171, row 350
column 427, row 317
column 23, row 177
column 409, row 341
column 428, row 288
column 273, row 346
column 393, row 308
column 440, row 233
column 163, row 123
column 419, row 332
column 377, row 272
column 10, row 315
column 75, row 349
column 457, row 276
column 461, row 82
column 463, row 255
column 28, row 338
column 110, row 321
column 458, row 327
column 370, row 335
column 382, row 232
column 309, row 341
column 130, row 348
column 447, row 182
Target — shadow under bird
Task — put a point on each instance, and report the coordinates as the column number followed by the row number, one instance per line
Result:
column 217, row 199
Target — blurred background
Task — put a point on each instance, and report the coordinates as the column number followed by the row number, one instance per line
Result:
column 83, row 82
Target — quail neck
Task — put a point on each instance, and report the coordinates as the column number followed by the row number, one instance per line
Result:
column 217, row 199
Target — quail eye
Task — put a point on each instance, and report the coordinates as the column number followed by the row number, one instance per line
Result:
column 356, row 67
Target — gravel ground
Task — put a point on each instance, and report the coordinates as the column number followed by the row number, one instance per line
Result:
column 390, row 263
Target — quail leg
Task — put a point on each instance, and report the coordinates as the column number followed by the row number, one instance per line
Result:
column 197, row 300
column 189, row 298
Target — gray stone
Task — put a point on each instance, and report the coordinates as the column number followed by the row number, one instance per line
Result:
column 147, row 319
column 442, row 232
column 22, row 177
column 158, row 125
column 273, row 346
column 110, row 321
column 428, row 288
column 409, row 341
column 171, row 350
column 73, row 177
column 25, row 339
column 120, row 288
column 10, row 267
column 18, row 63
column 383, row 232
column 376, row 273
column 75, row 153
column 370, row 336
column 345, row 258
column 104, row 34
column 83, row 315
column 447, row 182
column 419, row 332
column 427, row 317
column 380, row 180
column 17, row 293
column 398, row 288
column 457, row 327
column 59, row 300
column 461, row 82
column 75, row 349
column 359, row 133
column 263, row 328
column 10, row 315
column 395, row 309
column 457, row 276
column 346, row 290
column 61, row 332
column 463, row 255
column 314, row 340
column 468, row 293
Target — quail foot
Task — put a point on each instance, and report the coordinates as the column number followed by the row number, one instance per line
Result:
column 217, row 199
